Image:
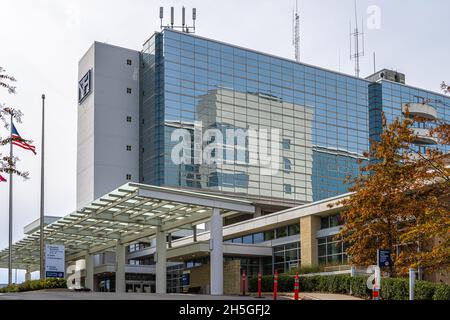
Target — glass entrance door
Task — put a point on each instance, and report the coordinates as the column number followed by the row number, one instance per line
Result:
column 139, row 286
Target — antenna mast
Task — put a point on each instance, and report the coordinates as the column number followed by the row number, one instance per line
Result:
column 296, row 31
column 357, row 37
column 183, row 27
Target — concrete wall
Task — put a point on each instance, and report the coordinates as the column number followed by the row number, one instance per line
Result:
column 309, row 226
column 85, row 135
column 103, row 132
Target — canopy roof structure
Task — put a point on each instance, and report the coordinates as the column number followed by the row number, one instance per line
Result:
column 130, row 213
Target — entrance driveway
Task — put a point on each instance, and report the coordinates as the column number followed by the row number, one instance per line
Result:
column 70, row 295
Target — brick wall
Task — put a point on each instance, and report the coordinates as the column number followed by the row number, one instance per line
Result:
column 200, row 277
column 232, row 277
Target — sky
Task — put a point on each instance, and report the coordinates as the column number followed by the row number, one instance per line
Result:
column 41, row 42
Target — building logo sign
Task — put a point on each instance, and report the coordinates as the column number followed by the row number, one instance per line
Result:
column 54, row 261
column 84, row 86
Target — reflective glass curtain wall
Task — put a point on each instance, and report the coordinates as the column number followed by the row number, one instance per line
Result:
column 389, row 97
column 322, row 117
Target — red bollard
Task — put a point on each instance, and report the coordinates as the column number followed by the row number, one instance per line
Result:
column 275, row 286
column 259, row 285
column 375, row 292
column 243, row 282
column 296, row 287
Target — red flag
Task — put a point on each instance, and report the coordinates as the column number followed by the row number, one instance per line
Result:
column 2, row 179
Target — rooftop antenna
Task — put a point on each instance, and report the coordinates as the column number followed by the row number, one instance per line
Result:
column 183, row 18
column 296, row 31
column 183, row 27
column 357, row 37
column 194, row 17
column 374, row 62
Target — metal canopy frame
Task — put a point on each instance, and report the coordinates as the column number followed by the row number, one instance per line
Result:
column 128, row 214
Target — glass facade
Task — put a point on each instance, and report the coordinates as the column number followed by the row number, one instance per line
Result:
column 389, row 97
column 198, row 84
column 278, row 233
column 331, row 221
column 331, row 251
column 286, row 257
column 322, row 118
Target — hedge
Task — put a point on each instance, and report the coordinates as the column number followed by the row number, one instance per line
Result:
column 36, row 285
column 391, row 288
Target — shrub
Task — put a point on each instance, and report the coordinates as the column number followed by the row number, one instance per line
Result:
column 424, row 290
column 394, row 289
column 359, row 288
column 442, row 292
column 308, row 284
column 334, row 284
column 306, row 270
column 391, row 288
column 36, row 285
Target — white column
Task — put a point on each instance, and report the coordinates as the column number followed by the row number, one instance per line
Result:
column 412, row 283
column 66, row 268
column 169, row 240
column 89, row 265
column 216, row 253
column 161, row 261
column 120, row 268
column 28, row 274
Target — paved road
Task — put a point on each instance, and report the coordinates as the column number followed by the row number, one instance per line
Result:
column 69, row 295
column 60, row 294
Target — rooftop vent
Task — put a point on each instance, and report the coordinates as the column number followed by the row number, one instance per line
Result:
column 389, row 75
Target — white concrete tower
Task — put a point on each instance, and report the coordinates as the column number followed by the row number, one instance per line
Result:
column 108, row 121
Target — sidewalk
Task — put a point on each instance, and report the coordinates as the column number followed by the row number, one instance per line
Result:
column 313, row 296
column 326, row 296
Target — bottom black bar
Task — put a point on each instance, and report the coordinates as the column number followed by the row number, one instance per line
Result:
column 220, row 309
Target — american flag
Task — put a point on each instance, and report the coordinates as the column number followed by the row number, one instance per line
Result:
column 18, row 141
column 2, row 179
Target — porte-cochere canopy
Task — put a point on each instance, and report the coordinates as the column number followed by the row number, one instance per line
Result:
column 129, row 213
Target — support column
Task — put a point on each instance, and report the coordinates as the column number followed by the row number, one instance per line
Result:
column 258, row 212
column 169, row 240
column 120, row 268
column 89, row 265
column 216, row 253
column 28, row 274
column 66, row 268
column 194, row 233
column 161, row 261
column 309, row 251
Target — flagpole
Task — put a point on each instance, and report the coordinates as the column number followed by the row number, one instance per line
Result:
column 41, row 229
column 10, row 206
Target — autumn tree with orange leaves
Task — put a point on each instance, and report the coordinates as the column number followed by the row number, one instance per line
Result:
column 401, row 202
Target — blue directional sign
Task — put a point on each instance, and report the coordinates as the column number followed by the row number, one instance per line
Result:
column 185, row 279
column 384, row 258
column 52, row 274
